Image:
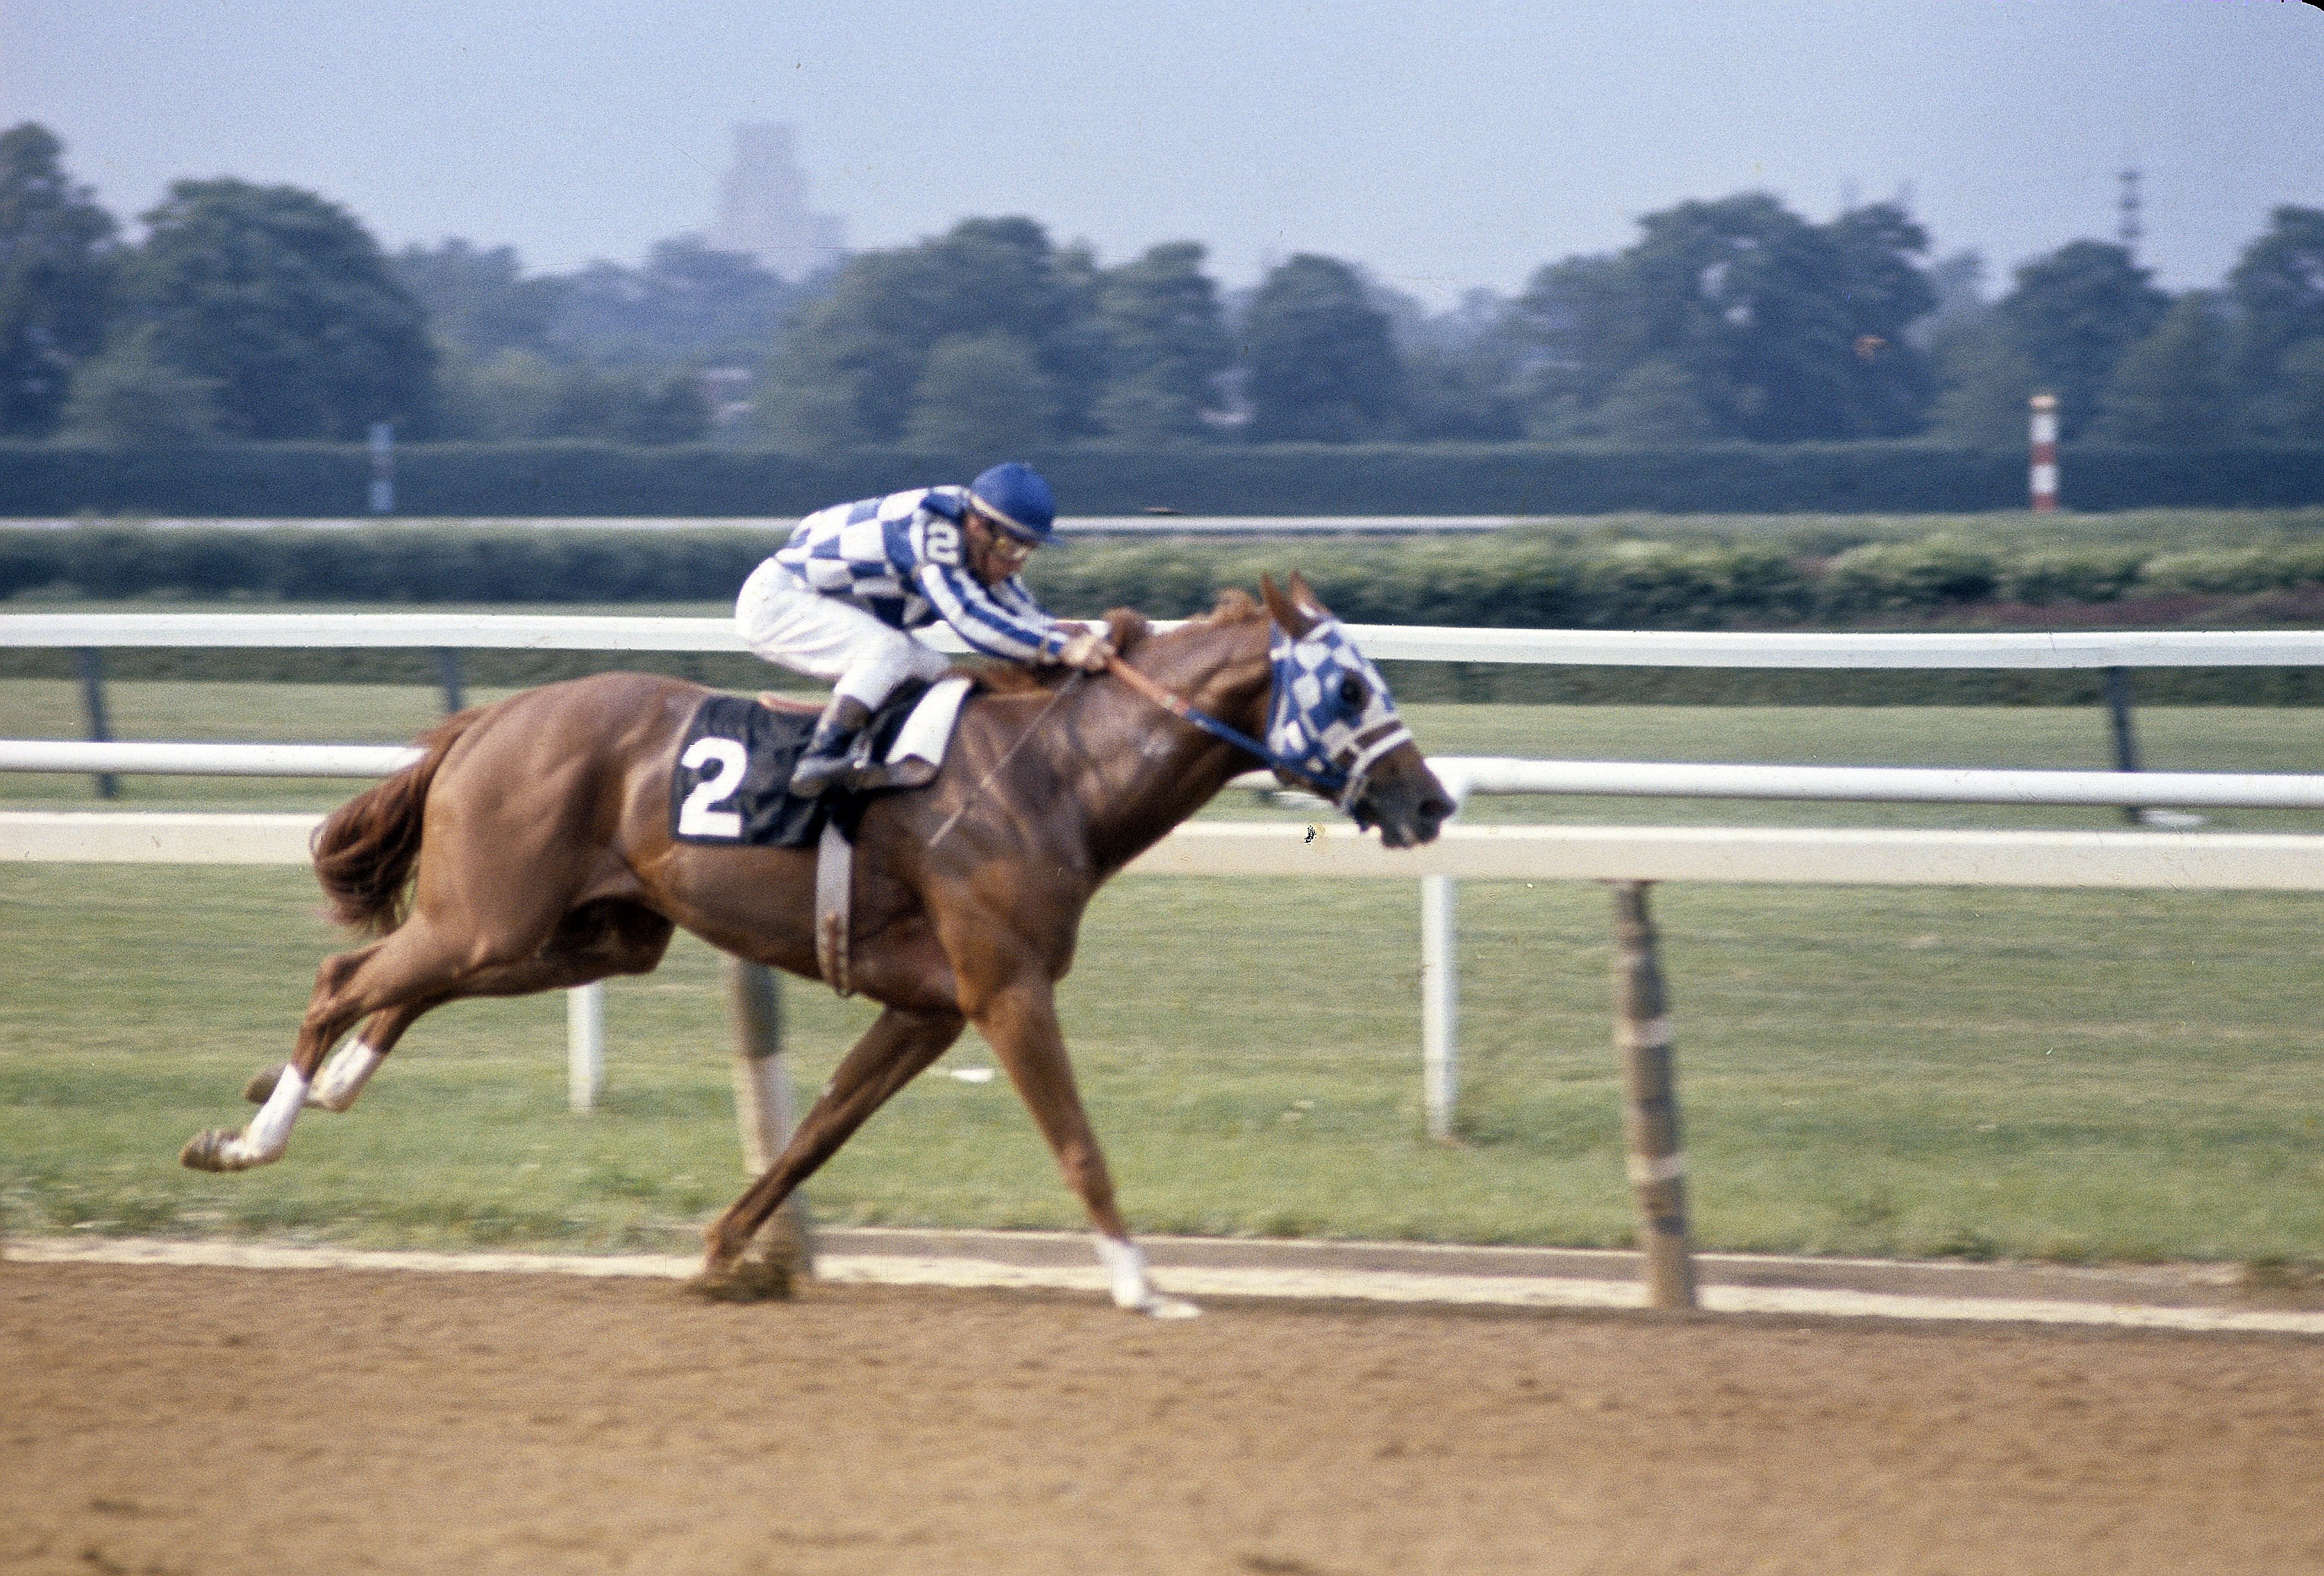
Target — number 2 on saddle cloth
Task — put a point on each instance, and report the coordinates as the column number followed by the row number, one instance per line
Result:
column 728, row 786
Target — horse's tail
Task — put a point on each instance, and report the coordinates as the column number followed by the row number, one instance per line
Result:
column 365, row 850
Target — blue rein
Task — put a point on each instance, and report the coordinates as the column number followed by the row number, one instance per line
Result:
column 1330, row 782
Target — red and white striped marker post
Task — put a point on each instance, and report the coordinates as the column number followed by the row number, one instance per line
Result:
column 2043, row 477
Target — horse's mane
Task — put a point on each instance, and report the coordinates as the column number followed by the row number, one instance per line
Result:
column 1128, row 631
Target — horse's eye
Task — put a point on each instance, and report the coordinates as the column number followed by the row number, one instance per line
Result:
column 1352, row 693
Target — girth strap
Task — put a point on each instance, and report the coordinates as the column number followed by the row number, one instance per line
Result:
column 834, row 871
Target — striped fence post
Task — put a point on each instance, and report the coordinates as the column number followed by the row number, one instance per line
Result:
column 2043, row 479
column 1657, row 1164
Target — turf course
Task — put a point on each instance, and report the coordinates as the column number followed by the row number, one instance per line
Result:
column 1928, row 1070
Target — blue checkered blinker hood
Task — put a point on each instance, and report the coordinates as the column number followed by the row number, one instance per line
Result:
column 1329, row 719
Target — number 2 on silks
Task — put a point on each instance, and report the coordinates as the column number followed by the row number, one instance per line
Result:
column 698, row 817
column 941, row 538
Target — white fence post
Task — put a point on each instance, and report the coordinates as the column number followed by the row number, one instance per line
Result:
column 584, row 1045
column 762, row 1102
column 762, row 1087
column 1440, row 1002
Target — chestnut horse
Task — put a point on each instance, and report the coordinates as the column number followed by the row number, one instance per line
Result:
column 530, row 848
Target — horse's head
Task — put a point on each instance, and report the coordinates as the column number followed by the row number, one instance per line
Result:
column 1331, row 717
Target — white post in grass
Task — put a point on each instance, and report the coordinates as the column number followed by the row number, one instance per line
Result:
column 762, row 1088
column 1440, row 1003
column 584, row 1044
column 762, row 1102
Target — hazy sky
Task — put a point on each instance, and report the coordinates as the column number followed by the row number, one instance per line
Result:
column 1442, row 145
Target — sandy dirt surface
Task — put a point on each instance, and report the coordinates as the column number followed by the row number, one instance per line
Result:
column 171, row 1420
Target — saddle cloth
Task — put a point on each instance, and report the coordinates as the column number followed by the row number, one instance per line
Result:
column 729, row 784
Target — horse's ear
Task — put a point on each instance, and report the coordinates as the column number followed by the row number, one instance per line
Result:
column 1303, row 596
column 1292, row 621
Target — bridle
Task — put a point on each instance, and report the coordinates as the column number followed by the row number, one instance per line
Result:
column 1339, row 776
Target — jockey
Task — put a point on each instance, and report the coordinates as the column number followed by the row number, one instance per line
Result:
column 836, row 602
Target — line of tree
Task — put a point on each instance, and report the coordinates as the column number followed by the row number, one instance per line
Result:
column 250, row 312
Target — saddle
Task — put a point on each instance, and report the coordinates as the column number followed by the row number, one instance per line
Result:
column 731, row 786
column 730, row 783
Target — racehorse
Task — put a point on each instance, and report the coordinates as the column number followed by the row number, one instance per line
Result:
column 530, row 848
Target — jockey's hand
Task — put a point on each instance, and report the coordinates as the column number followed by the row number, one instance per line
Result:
column 1089, row 650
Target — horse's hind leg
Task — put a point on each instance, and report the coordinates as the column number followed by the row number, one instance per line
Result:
column 594, row 940
column 401, row 963
column 896, row 1047
column 346, row 1070
column 394, row 981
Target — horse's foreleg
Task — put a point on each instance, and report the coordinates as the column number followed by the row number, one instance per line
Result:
column 1020, row 1022
column 895, row 1050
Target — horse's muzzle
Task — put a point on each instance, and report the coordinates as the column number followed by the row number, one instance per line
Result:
column 1403, row 799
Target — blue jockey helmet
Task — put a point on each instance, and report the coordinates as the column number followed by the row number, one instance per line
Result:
column 1017, row 496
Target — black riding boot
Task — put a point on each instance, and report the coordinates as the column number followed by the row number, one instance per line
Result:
column 825, row 765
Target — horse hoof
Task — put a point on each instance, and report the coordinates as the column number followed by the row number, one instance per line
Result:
column 206, row 1151
column 754, row 1279
column 260, row 1087
column 1158, row 1306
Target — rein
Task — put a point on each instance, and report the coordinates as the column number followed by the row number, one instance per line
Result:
column 1179, row 707
column 1334, row 788
column 1007, row 755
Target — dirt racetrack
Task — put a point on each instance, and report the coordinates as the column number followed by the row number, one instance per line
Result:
column 171, row 1420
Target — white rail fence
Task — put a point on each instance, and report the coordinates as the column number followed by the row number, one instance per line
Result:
column 1463, row 775
column 1403, row 642
column 1628, row 857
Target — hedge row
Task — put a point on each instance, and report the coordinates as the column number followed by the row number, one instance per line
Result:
column 310, row 481
column 1523, row 578
column 407, row 563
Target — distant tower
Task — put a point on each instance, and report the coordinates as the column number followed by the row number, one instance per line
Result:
column 762, row 207
column 2128, row 228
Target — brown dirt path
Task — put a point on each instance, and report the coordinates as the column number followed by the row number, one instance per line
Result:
column 159, row 1420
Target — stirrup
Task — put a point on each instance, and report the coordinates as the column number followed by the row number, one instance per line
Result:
column 830, row 761
column 819, row 771
column 878, row 776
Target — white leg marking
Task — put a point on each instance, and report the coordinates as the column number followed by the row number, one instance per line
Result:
column 343, row 1077
column 1131, row 1290
column 268, row 1132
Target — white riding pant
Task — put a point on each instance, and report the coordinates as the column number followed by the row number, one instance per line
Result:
column 791, row 625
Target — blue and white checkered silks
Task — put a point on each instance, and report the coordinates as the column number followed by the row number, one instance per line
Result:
column 1331, row 718
column 902, row 560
